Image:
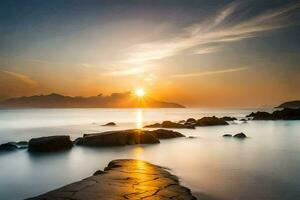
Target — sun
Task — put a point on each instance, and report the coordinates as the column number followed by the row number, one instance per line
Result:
column 139, row 92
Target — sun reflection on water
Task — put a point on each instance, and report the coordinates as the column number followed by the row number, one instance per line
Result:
column 139, row 118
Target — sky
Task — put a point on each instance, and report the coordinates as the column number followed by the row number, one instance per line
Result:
column 213, row 53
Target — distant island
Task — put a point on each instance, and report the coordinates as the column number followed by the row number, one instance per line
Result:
column 290, row 104
column 115, row 100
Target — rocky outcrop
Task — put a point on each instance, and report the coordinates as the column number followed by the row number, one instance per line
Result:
column 50, row 143
column 211, row 121
column 11, row 146
column 124, row 179
column 169, row 124
column 126, row 137
column 240, row 135
column 227, row 135
column 110, row 124
column 285, row 114
column 226, row 118
column 190, row 123
column 117, row 138
column 165, row 134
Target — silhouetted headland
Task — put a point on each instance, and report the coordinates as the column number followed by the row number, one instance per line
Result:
column 290, row 104
column 285, row 114
column 115, row 100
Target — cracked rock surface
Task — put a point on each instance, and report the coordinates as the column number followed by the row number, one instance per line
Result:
column 123, row 179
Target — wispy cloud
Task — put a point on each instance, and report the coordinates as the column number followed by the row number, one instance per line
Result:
column 127, row 72
column 21, row 77
column 210, row 72
column 210, row 35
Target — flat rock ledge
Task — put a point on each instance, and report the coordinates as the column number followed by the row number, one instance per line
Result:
column 121, row 180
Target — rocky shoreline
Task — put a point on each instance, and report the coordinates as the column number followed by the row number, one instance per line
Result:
column 103, row 139
column 124, row 179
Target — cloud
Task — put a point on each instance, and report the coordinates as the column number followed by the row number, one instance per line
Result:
column 127, row 72
column 207, row 50
column 21, row 77
column 211, row 34
column 210, row 72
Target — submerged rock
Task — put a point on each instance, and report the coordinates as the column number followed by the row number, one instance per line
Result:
column 50, row 143
column 227, row 135
column 211, row 121
column 110, row 124
column 240, row 135
column 124, row 179
column 22, row 144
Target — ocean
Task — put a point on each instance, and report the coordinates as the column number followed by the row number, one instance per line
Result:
column 265, row 166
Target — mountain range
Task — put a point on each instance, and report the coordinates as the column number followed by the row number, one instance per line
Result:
column 115, row 100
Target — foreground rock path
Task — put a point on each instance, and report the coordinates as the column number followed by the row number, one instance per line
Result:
column 124, row 179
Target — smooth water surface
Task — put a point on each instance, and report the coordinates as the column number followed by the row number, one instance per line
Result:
column 263, row 167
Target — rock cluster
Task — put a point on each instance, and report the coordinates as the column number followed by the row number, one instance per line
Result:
column 109, row 138
column 285, row 114
column 126, row 137
column 238, row 135
column 191, row 123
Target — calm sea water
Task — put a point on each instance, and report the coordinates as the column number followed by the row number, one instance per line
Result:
column 265, row 166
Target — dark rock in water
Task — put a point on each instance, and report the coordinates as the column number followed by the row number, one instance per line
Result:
column 227, row 135
column 165, row 134
column 211, row 121
column 189, row 125
column 10, row 146
column 126, row 137
column 133, row 179
column 191, row 121
column 226, row 118
column 156, row 125
column 118, row 138
column 260, row 115
column 191, row 137
column 110, row 124
column 285, row 114
column 169, row 124
column 50, row 143
column 243, row 120
column 98, row 172
column 240, row 135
